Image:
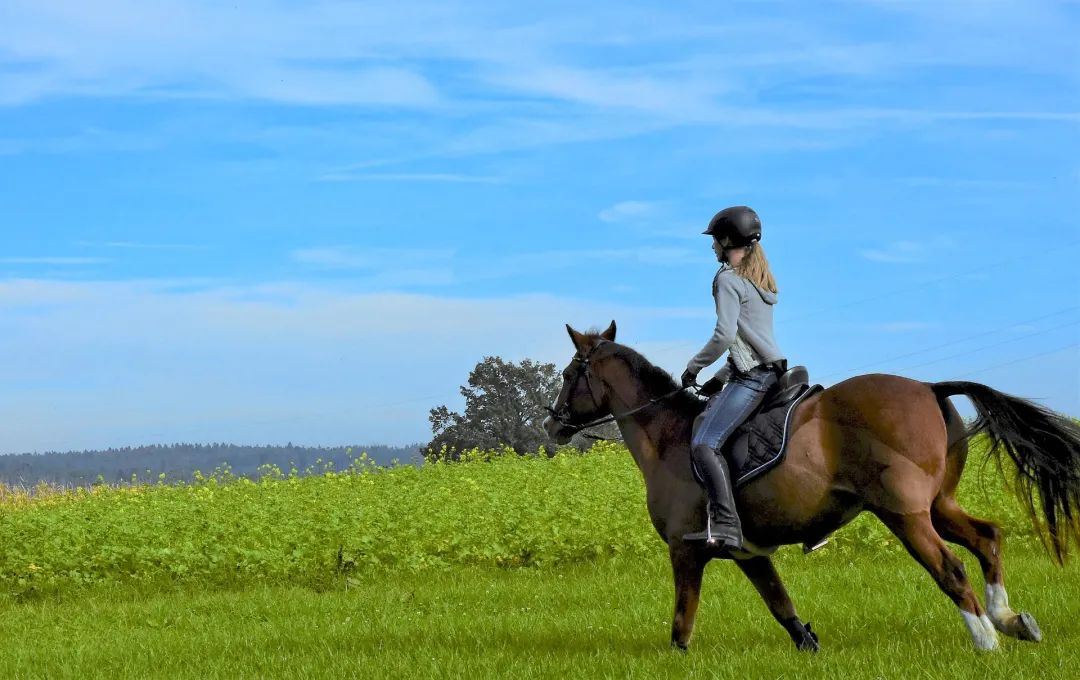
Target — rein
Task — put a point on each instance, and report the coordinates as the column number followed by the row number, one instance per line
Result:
column 613, row 417
column 561, row 418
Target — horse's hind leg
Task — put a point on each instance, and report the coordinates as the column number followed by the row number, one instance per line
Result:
column 983, row 539
column 762, row 574
column 917, row 533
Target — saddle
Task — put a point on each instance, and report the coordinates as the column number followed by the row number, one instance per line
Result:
column 760, row 443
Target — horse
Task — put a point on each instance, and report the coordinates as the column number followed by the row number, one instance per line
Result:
column 886, row 444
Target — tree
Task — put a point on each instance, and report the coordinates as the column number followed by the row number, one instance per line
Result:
column 504, row 406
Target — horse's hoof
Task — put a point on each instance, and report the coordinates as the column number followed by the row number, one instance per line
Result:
column 682, row 647
column 1027, row 628
column 809, row 643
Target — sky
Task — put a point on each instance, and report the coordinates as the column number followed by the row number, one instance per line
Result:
column 307, row 221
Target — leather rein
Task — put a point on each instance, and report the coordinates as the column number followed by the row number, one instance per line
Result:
column 562, row 417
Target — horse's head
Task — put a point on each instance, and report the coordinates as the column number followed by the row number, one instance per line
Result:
column 583, row 397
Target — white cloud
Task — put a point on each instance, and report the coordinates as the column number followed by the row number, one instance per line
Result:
column 135, row 245
column 408, row 177
column 175, row 48
column 968, row 183
column 53, row 260
column 347, row 257
column 628, row 211
column 89, row 139
column 99, row 364
column 132, row 245
column 650, row 90
column 388, row 54
column 901, row 326
column 511, row 264
column 900, row 252
column 909, row 252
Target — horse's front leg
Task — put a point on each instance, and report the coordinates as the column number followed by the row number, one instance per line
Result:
column 687, row 566
column 762, row 574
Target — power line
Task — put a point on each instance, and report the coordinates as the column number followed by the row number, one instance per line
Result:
column 1017, row 361
column 951, row 342
column 897, row 291
column 996, row 344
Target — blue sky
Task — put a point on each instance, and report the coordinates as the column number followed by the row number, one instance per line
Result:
column 306, row 222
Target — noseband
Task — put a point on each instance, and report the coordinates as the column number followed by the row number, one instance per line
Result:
column 563, row 416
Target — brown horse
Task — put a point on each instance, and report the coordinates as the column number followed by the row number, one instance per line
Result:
column 890, row 445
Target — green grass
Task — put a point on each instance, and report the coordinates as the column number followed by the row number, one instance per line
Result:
column 529, row 567
column 229, row 533
column 876, row 617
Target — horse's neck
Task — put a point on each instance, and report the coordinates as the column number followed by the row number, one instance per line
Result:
column 643, row 445
column 642, row 432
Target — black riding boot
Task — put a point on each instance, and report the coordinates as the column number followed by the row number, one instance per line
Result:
column 722, row 527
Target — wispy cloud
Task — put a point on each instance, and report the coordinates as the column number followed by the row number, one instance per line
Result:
column 348, row 257
column 898, row 252
column 387, row 54
column 231, row 363
column 901, row 326
column 988, row 184
column 626, row 211
column 86, row 140
column 188, row 49
column 908, row 252
column 55, row 261
column 135, row 245
column 591, row 261
column 408, row 177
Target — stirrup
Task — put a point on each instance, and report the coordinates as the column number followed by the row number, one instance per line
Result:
column 709, row 538
column 808, row 548
column 714, row 541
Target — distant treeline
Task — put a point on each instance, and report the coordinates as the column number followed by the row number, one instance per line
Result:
column 179, row 462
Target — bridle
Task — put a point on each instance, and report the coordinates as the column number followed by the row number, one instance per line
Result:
column 563, row 415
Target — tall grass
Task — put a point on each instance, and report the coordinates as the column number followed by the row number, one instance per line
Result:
column 360, row 523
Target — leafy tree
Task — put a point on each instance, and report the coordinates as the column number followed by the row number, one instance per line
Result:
column 504, row 407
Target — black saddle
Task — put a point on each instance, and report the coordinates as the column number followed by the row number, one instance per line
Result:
column 787, row 387
column 759, row 444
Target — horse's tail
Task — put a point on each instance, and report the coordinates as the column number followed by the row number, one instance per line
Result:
column 1044, row 445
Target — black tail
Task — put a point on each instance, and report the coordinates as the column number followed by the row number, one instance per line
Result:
column 1044, row 445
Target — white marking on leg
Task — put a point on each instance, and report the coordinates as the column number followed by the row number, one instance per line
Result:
column 982, row 631
column 997, row 603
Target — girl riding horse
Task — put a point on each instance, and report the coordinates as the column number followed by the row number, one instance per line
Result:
column 744, row 291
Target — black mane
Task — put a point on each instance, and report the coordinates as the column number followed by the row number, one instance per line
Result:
column 657, row 381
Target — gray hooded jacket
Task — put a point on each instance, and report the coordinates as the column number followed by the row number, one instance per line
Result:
column 744, row 324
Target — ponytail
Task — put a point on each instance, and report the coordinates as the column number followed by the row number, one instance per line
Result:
column 754, row 267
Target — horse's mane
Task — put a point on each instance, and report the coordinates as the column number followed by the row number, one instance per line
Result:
column 657, row 381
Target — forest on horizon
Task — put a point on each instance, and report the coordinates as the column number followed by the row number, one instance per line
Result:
column 179, row 462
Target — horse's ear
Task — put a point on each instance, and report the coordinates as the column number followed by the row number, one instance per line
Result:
column 578, row 339
column 609, row 334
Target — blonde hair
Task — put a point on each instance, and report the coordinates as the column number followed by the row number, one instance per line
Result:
column 754, row 267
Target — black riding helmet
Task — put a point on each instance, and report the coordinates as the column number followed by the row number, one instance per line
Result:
column 739, row 223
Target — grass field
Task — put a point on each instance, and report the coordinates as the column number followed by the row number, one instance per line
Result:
column 530, row 567
column 876, row 618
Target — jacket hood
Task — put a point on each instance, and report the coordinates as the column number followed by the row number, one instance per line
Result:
column 767, row 296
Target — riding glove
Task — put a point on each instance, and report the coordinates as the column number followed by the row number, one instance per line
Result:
column 689, row 378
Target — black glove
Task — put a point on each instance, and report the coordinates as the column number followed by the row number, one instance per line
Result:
column 711, row 386
column 689, row 378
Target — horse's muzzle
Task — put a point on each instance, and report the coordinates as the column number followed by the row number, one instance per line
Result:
column 557, row 431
